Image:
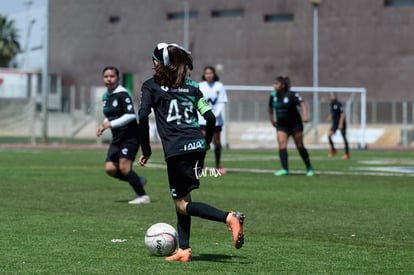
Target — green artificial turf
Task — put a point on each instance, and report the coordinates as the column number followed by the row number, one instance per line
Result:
column 59, row 213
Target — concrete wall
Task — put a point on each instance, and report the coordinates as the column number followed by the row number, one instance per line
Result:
column 362, row 42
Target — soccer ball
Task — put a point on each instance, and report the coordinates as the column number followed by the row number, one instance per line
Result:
column 161, row 239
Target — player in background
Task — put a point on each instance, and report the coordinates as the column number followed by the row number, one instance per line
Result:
column 120, row 117
column 338, row 122
column 176, row 101
column 288, row 122
column 215, row 94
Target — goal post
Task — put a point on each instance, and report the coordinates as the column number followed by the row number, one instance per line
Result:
column 262, row 92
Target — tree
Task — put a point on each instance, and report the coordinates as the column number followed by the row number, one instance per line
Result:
column 9, row 46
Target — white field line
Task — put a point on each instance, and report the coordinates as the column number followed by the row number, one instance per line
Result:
column 302, row 172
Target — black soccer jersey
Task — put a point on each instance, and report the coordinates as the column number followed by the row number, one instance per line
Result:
column 286, row 106
column 115, row 105
column 176, row 116
column 336, row 110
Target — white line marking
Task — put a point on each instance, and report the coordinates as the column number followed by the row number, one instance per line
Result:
column 302, row 172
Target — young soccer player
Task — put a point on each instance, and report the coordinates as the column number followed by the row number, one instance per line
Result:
column 288, row 122
column 176, row 100
column 338, row 122
column 215, row 94
column 120, row 117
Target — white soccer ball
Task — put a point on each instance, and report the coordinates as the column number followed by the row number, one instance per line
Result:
column 161, row 239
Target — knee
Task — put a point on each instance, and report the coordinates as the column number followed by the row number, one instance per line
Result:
column 181, row 207
column 282, row 145
column 110, row 170
column 124, row 170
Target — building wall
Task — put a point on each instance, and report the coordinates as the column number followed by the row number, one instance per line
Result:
column 362, row 43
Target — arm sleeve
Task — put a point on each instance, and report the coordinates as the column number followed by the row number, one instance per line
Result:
column 123, row 120
column 144, row 112
column 202, row 105
column 211, row 123
column 128, row 109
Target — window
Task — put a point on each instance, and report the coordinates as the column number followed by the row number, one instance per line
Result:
column 278, row 18
column 181, row 15
column 227, row 13
column 398, row 3
column 114, row 19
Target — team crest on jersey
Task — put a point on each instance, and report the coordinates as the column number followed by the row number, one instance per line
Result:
column 285, row 100
column 164, row 88
column 114, row 103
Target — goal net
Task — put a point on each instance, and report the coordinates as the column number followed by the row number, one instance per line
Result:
column 247, row 124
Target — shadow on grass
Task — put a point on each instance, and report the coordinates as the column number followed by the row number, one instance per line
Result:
column 219, row 258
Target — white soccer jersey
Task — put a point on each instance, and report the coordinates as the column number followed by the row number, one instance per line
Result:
column 216, row 96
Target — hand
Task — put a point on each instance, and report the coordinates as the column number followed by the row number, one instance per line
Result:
column 100, row 131
column 305, row 119
column 143, row 160
column 208, row 147
column 102, row 128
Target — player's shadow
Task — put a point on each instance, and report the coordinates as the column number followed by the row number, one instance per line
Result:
column 219, row 258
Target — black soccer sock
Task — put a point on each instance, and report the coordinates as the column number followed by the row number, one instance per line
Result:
column 135, row 183
column 346, row 145
column 331, row 143
column 283, row 155
column 206, row 211
column 183, row 230
column 217, row 154
column 305, row 156
column 121, row 176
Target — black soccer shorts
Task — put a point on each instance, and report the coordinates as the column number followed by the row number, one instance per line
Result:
column 334, row 128
column 184, row 172
column 290, row 129
column 125, row 149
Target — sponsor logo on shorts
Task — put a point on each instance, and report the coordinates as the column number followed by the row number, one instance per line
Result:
column 124, row 151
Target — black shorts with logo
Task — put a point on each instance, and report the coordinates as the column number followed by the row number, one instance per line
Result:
column 335, row 127
column 298, row 127
column 183, row 173
column 127, row 149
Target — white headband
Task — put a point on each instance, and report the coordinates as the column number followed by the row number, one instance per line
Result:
column 165, row 56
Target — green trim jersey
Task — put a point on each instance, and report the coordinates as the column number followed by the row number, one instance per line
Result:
column 286, row 106
column 176, row 116
column 119, row 109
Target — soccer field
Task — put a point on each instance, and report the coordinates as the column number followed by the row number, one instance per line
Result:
column 59, row 213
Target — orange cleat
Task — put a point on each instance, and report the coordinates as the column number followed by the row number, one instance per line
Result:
column 182, row 255
column 235, row 222
column 345, row 156
column 332, row 154
column 222, row 171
